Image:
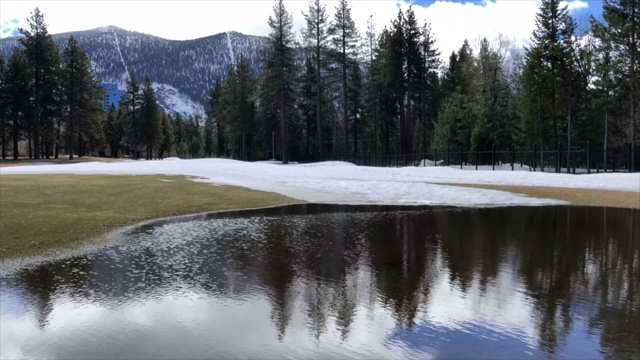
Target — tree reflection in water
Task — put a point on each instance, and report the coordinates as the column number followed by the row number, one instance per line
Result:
column 334, row 264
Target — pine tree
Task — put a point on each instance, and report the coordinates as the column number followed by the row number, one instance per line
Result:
column 179, row 135
column 18, row 92
column 278, row 78
column 371, row 95
column 132, row 110
column 621, row 31
column 113, row 130
column 213, row 101
column 166, row 136
column 414, row 75
column 428, row 86
column 355, row 100
column 44, row 60
column 457, row 115
column 209, row 148
column 344, row 41
column 308, row 102
column 82, row 99
column 151, row 134
column 192, row 130
column 4, row 118
column 316, row 36
column 548, row 78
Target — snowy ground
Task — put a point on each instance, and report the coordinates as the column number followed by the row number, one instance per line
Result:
column 344, row 183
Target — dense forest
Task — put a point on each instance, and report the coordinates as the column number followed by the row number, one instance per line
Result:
column 336, row 89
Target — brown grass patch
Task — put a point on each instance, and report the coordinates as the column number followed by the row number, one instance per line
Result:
column 584, row 197
column 60, row 161
column 43, row 212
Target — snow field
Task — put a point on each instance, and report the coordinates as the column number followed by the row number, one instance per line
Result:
column 345, row 183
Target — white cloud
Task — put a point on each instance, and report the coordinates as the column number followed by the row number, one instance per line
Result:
column 180, row 20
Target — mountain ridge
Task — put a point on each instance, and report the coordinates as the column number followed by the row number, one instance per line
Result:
column 182, row 71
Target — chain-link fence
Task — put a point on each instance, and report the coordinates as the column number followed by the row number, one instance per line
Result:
column 536, row 159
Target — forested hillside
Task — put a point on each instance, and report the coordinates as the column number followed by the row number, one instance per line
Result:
column 182, row 71
column 385, row 90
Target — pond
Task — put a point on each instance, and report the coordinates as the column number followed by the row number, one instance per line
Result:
column 337, row 281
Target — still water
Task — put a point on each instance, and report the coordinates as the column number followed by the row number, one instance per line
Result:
column 328, row 281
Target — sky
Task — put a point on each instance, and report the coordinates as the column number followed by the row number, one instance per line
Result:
column 452, row 21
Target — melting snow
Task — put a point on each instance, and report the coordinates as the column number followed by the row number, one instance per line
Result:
column 121, row 57
column 343, row 183
column 232, row 55
column 173, row 101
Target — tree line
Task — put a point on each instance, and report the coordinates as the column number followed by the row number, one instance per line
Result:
column 387, row 91
column 51, row 101
column 339, row 91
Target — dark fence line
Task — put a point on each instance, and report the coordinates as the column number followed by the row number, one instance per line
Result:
column 536, row 159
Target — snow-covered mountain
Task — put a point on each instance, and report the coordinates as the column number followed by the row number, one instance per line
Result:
column 181, row 71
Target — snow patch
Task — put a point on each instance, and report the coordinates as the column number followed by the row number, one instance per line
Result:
column 173, row 101
column 232, row 54
column 341, row 183
column 120, row 52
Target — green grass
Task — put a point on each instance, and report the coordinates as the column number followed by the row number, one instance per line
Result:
column 39, row 213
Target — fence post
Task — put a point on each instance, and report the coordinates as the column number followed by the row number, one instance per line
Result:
column 476, row 157
column 535, row 165
column 631, row 164
column 588, row 157
column 460, row 157
column 558, row 160
column 448, row 157
column 435, row 157
column 397, row 159
column 493, row 157
column 513, row 156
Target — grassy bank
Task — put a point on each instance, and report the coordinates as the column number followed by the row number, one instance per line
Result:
column 584, row 197
column 61, row 160
column 44, row 212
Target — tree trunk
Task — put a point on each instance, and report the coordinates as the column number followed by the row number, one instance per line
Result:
column 632, row 95
column 606, row 139
column 344, row 94
column 355, row 123
column 318, row 83
column 4, row 141
column 15, row 134
column 29, row 144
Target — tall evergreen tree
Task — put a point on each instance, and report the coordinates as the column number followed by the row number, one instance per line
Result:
column 620, row 30
column 166, row 136
column 414, row 75
column 18, row 92
column 151, row 134
column 179, row 135
column 278, row 78
column 371, row 94
column 344, row 41
column 44, row 60
column 548, row 75
column 308, row 103
column 113, row 130
column 428, row 85
column 316, row 37
column 209, row 148
column 132, row 102
column 213, row 100
column 4, row 118
column 81, row 96
column 355, row 100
